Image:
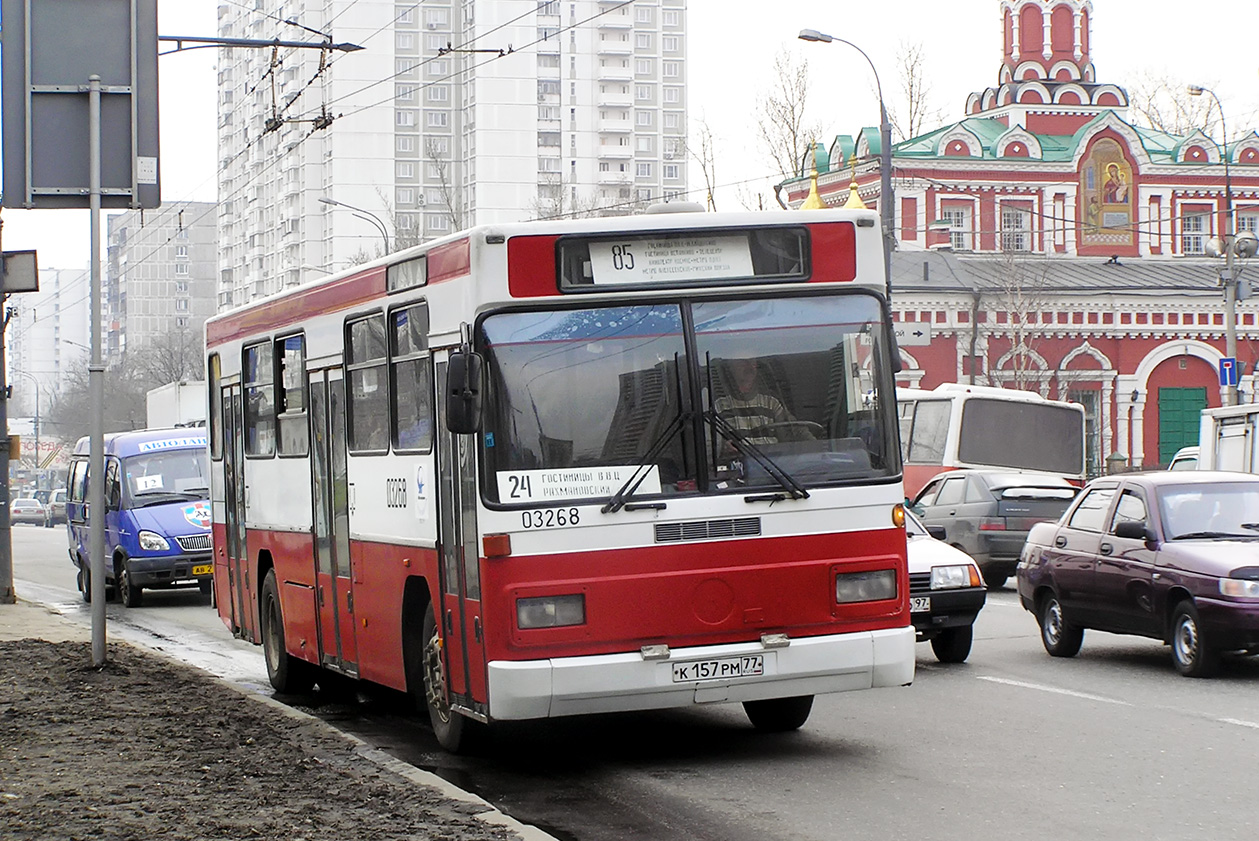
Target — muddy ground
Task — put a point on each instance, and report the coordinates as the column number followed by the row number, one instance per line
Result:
column 146, row 748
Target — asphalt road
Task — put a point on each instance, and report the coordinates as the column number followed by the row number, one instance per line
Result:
column 1013, row 744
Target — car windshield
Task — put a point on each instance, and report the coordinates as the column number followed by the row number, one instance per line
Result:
column 180, row 473
column 780, row 393
column 1216, row 510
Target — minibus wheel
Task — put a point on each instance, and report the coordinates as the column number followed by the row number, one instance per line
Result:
column 779, row 715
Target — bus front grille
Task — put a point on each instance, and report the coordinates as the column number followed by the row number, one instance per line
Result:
column 708, row 529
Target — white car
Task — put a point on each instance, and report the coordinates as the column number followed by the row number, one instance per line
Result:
column 946, row 592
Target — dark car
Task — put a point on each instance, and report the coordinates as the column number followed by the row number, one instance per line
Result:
column 988, row 513
column 946, row 593
column 1170, row 555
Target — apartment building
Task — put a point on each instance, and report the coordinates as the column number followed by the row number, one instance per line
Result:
column 453, row 113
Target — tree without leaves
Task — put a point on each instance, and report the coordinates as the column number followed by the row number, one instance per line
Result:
column 915, row 111
column 702, row 151
column 782, row 126
column 557, row 198
column 1021, row 290
column 1164, row 104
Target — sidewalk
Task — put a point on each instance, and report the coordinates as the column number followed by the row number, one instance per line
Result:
column 149, row 746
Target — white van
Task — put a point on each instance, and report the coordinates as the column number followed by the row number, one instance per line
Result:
column 1186, row 458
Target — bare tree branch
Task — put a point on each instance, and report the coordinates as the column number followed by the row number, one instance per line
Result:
column 1165, row 104
column 915, row 109
column 782, row 126
column 702, row 151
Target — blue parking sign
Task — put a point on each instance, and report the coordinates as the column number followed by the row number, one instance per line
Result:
column 1228, row 371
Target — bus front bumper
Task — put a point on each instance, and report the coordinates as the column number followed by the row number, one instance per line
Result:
column 624, row 682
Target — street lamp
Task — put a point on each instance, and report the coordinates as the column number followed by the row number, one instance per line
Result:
column 362, row 214
column 886, row 211
column 1231, row 246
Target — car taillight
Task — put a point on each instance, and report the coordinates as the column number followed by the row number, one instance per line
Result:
column 992, row 524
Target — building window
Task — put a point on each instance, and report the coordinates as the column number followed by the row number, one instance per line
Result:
column 404, row 40
column 1248, row 222
column 438, row 93
column 436, row 18
column 643, row 170
column 181, row 252
column 181, row 305
column 1193, row 233
column 181, row 268
column 644, row 143
column 642, row 66
column 671, row 17
column 405, row 68
column 643, row 119
column 404, row 93
column 643, row 40
column 669, row 43
column 436, row 119
column 433, row 43
column 672, row 171
column 436, row 222
column 403, row 117
column 404, row 169
column 406, row 195
column 1015, row 229
column 642, row 92
column 548, row 164
column 642, row 14
column 673, row 95
column 958, row 220
column 672, row 69
column 437, row 147
column 404, row 143
column 672, row 119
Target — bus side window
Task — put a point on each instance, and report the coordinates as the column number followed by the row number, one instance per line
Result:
column 113, row 491
column 78, row 481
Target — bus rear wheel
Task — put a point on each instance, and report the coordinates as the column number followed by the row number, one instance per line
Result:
column 779, row 715
column 289, row 675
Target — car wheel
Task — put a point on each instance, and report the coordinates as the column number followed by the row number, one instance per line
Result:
column 953, row 645
column 779, row 715
column 84, row 580
column 454, row 732
column 1061, row 638
column 128, row 593
column 1191, row 654
column 288, row 674
column 995, row 581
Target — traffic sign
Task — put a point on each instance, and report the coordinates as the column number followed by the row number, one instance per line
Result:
column 912, row 333
column 1228, row 371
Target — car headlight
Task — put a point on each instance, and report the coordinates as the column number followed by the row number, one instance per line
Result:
column 551, row 612
column 1239, row 588
column 871, row 586
column 951, row 577
column 153, row 542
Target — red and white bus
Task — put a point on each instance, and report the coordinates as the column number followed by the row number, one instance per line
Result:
column 956, row 425
column 492, row 471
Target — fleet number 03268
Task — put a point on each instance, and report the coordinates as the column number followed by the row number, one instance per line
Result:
column 550, row 518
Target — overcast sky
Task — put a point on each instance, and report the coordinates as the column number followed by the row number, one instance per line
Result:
column 731, row 47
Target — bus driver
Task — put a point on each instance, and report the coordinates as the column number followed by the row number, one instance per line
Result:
column 749, row 410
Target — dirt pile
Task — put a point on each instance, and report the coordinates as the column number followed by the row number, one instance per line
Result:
column 147, row 748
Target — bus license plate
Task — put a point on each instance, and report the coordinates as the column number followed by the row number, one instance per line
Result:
column 203, row 569
column 919, row 604
column 719, row 669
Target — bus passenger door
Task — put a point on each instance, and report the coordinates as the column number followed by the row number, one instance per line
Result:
column 462, row 626
column 331, row 518
column 238, row 591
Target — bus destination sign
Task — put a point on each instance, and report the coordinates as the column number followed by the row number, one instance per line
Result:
column 671, row 260
column 570, row 483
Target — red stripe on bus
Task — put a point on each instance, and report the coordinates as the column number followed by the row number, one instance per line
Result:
column 449, row 261
column 286, row 310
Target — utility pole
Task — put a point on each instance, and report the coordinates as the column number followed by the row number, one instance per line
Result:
column 7, row 593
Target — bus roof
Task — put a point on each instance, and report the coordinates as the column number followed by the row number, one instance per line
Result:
column 950, row 390
column 123, row 444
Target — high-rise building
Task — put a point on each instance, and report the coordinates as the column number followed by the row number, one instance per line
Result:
column 48, row 336
column 454, row 113
column 159, row 284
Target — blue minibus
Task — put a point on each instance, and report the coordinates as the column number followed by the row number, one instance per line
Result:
column 157, row 513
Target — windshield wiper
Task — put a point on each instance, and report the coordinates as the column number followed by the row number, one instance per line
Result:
column 617, row 501
column 1206, row 535
column 747, row 449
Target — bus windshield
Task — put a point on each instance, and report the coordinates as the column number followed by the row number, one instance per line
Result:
column 711, row 395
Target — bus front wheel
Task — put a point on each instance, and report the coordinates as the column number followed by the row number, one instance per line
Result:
column 450, row 728
column 779, row 715
column 289, row 675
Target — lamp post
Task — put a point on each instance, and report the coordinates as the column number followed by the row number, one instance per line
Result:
column 887, row 212
column 1231, row 247
column 362, row 214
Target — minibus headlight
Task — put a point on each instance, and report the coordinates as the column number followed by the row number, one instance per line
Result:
column 153, row 542
column 870, row 586
column 551, row 611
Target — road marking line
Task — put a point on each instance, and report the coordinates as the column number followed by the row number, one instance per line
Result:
column 1239, row 722
column 1055, row 690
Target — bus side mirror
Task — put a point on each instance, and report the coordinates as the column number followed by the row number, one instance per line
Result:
column 465, row 381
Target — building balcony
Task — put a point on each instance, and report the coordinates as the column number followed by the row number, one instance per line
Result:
column 615, row 151
column 616, row 126
column 614, row 179
column 615, row 48
column 616, row 74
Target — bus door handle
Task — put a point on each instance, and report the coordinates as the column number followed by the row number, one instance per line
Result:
column 450, row 621
column 1060, row 541
column 1106, row 548
column 476, row 628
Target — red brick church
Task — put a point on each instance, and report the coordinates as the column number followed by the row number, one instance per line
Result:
column 1046, row 242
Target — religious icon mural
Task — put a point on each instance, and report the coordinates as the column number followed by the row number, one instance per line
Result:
column 1106, row 199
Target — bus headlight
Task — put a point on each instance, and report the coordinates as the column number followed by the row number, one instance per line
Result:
column 551, row 611
column 152, row 542
column 870, row 586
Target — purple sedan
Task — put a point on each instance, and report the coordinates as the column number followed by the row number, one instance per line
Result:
column 1171, row 556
